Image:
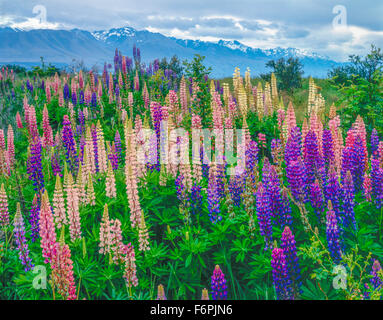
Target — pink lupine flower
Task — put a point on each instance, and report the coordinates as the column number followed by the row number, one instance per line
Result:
column 59, row 205
column 11, row 146
column 73, row 209
column 4, row 212
column 47, row 228
column 18, row 120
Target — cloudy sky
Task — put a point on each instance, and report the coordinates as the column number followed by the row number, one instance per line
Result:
column 335, row 28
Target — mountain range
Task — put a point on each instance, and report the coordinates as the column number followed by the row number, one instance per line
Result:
column 60, row 47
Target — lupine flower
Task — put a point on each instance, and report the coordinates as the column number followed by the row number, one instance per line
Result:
column 129, row 265
column 117, row 143
column 296, row 177
column 4, row 213
column 264, row 215
column 21, row 242
column 281, row 279
column 316, row 199
column 18, row 120
column 358, row 163
column 161, row 293
column 34, row 167
column 328, row 149
column 332, row 233
column 377, row 182
column 377, row 275
column 332, row 192
column 218, row 285
column 62, row 269
column 374, row 142
column 34, row 218
column 348, row 202
column 47, row 228
column 312, row 158
column 73, row 209
column 213, row 199
column 290, row 252
column 110, row 186
column 143, row 235
column 10, row 146
column 59, row 205
column 205, row 294
column 105, row 233
column 48, row 134
column 69, row 143
column 367, row 187
column 196, row 199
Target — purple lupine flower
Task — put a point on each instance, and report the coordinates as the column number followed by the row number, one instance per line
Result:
column 81, row 121
column 348, row 202
column 374, row 142
column 34, row 218
column 69, row 143
column 377, row 182
column 358, row 163
column 180, row 188
column 74, row 98
column 332, row 233
column 21, row 242
column 290, row 252
column 235, row 189
column 113, row 157
column 264, row 215
column 220, row 180
column 195, row 199
column 95, row 146
column 251, row 155
column 328, row 149
column 293, row 145
column 296, row 177
column 81, row 97
column 316, row 199
column 66, row 92
column 213, row 200
column 333, row 192
column 346, row 162
column 117, row 143
column 281, row 279
column 94, row 101
column 35, row 168
column 272, row 185
column 312, row 158
column 218, row 285
column 55, row 162
column 376, row 273
column 285, row 215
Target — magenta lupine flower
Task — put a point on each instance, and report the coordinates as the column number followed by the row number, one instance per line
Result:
column 332, row 233
column 21, row 242
column 281, row 279
column 377, row 182
column 290, row 251
column 218, row 285
column 264, row 215
column 312, row 158
column 296, row 177
column 358, row 163
column 374, row 143
column 348, row 202
column 328, row 149
column 316, row 199
column 34, row 166
column 69, row 143
column 34, row 219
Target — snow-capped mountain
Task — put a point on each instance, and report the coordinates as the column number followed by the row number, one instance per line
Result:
column 62, row 46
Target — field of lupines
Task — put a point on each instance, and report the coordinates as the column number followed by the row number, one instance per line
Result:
column 100, row 200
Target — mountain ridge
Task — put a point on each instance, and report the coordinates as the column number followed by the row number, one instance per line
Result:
column 97, row 47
